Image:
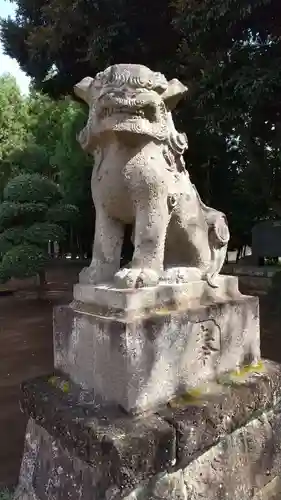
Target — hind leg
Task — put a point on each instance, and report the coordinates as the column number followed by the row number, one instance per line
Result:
column 187, row 254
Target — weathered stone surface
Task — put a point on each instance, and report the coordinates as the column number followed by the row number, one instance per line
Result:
column 123, row 450
column 49, row 472
column 176, row 296
column 222, row 409
column 251, row 271
column 240, row 465
column 140, row 178
column 144, row 360
column 168, row 487
column 77, row 451
column 272, row 491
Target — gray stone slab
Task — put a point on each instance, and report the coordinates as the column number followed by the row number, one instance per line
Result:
column 240, row 465
column 251, row 270
column 147, row 299
column 143, row 361
column 272, row 490
column 221, row 409
column 123, row 450
column 78, row 451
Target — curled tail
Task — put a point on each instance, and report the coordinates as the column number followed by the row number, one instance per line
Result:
column 217, row 260
column 218, row 240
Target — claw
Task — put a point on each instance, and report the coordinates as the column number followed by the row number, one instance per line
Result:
column 136, row 278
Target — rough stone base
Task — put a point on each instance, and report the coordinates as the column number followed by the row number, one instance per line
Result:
column 224, row 444
column 271, row 491
column 140, row 356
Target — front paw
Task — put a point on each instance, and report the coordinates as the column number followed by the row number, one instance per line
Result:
column 176, row 275
column 136, row 278
column 99, row 272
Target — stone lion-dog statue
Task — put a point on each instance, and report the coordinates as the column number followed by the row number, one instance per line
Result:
column 139, row 177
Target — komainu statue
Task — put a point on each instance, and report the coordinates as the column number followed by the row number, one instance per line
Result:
column 139, row 178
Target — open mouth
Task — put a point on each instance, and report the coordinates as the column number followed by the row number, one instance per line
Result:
column 147, row 112
column 106, row 112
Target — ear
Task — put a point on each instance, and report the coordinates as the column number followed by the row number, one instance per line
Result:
column 173, row 94
column 82, row 89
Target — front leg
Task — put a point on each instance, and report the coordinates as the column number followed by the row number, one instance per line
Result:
column 109, row 234
column 152, row 218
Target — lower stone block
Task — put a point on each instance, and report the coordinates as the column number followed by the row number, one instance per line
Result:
column 142, row 357
column 271, row 491
column 224, row 444
column 240, row 464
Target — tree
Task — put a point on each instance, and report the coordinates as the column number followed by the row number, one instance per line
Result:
column 58, row 42
column 230, row 56
column 53, row 150
column 13, row 125
column 227, row 52
column 74, row 170
column 32, row 214
column 48, row 146
column 230, row 53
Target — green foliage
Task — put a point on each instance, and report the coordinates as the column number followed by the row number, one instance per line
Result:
column 32, row 188
column 49, row 149
column 73, row 166
column 8, row 213
column 48, row 120
column 62, row 213
column 58, row 42
column 13, row 124
column 6, row 495
column 74, row 174
column 21, row 261
column 44, row 232
column 230, row 56
column 26, row 226
column 33, row 158
column 13, row 116
column 39, row 233
column 9, row 238
column 18, row 213
column 226, row 51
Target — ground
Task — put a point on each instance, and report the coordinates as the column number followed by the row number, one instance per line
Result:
column 27, row 351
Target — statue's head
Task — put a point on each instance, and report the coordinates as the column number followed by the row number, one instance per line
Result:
column 128, row 98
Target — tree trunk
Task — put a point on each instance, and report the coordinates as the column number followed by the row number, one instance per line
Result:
column 42, row 284
column 239, row 252
column 51, row 249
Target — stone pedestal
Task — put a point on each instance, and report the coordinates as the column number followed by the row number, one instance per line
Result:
column 224, row 443
column 138, row 348
column 146, row 401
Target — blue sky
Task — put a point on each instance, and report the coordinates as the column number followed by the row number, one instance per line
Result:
column 8, row 65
